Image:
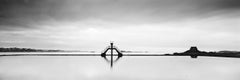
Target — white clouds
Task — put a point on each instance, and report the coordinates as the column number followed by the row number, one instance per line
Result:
column 209, row 34
column 78, row 24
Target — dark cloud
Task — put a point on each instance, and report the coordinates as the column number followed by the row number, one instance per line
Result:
column 28, row 13
column 23, row 13
column 220, row 4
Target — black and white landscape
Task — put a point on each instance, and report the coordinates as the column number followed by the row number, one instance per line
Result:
column 67, row 39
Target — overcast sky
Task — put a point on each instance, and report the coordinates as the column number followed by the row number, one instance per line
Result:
column 154, row 25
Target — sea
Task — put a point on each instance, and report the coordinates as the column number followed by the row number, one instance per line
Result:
column 126, row 68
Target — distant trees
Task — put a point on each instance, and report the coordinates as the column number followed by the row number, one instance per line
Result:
column 14, row 49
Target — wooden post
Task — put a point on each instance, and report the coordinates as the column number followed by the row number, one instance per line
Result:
column 111, row 54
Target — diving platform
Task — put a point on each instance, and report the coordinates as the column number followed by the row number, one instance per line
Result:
column 111, row 48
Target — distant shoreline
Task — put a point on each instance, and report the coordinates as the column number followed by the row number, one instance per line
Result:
column 193, row 52
column 15, row 49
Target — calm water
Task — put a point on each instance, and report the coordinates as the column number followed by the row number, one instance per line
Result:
column 127, row 68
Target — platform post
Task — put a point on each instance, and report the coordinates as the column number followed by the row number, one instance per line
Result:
column 111, row 54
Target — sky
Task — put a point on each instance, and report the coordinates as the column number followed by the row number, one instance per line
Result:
column 143, row 25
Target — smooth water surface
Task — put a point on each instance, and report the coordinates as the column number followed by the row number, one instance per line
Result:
column 127, row 68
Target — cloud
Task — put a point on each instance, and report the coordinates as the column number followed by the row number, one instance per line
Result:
column 80, row 23
column 29, row 13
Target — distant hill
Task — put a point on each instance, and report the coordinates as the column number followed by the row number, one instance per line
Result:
column 228, row 51
column 194, row 52
column 14, row 49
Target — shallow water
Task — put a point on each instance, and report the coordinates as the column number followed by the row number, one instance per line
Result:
column 127, row 68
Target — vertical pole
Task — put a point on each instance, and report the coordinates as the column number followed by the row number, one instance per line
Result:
column 111, row 54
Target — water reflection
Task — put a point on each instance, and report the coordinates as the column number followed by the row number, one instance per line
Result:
column 111, row 61
column 128, row 68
